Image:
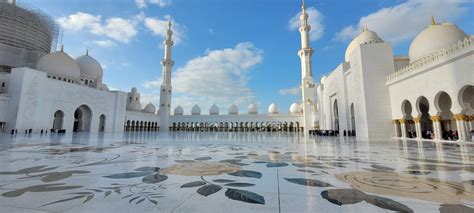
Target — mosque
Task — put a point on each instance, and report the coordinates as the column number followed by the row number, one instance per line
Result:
column 372, row 93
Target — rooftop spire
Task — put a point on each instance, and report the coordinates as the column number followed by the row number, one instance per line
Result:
column 62, row 47
column 169, row 24
column 87, row 51
column 433, row 22
column 302, row 6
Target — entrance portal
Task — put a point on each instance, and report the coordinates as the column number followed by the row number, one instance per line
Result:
column 82, row 119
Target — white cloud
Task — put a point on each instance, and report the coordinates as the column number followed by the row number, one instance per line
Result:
column 220, row 77
column 315, row 20
column 119, row 29
column 144, row 3
column 406, row 20
column 295, row 91
column 104, row 43
column 140, row 4
column 159, row 27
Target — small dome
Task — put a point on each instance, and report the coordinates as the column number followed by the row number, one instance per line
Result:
column 365, row 37
column 273, row 109
column 149, row 108
column 59, row 64
column 196, row 110
column 233, row 110
column 434, row 38
column 295, row 108
column 253, row 109
column 134, row 90
column 90, row 68
column 178, row 110
column 135, row 106
column 214, row 110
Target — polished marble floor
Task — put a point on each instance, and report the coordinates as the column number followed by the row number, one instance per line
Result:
column 232, row 172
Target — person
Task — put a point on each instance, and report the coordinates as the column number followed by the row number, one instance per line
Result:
column 345, row 133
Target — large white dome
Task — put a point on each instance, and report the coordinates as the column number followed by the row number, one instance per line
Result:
column 196, row 110
column 149, row 108
column 365, row 37
column 253, row 109
column 273, row 109
column 295, row 108
column 233, row 110
column 90, row 68
column 178, row 110
column 135, row 106
column 59, row 64
column 434, row 38
column 214, row 110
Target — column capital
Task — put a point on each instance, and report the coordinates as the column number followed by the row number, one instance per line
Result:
column 460, row 117
column 436, row 118
column 417, row 119
column 402, row 121
column 395, row 121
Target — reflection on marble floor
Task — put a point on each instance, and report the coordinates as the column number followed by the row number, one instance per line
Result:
column 232, row 172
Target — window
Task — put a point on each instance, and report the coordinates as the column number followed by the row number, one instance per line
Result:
column 3, row 84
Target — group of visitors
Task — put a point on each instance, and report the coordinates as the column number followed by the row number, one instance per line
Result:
column 332, row 132
column 42, row 131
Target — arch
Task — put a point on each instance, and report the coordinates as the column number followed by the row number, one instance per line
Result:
column 58, row 120
column 82, row 119
column 336, row 115
column 443, row 105
column 466, row 99
column 423, row 108
column 102, row 123
column 353, row 120
column 406, row 109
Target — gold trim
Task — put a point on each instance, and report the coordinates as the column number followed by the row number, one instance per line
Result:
column 436, row 118
column 395, row 121
column 417, row 119
column 402, row 121
column 460, row 117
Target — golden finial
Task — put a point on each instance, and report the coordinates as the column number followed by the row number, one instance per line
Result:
column 433, row 22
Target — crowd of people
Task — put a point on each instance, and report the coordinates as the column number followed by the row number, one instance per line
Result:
column 332, row 132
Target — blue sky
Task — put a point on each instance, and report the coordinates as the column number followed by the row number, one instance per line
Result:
column 233, row 51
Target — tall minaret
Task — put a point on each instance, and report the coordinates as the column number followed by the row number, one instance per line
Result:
column 165, row 92
column 307, row 85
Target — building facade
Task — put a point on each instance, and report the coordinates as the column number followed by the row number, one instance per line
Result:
column 428, row 94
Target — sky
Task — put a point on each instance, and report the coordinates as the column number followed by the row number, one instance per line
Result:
column 233, row 51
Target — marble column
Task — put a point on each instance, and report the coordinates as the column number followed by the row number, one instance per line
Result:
column 461, row 121
column 395, row 127
column 436, row 126
column 403, row 128
column 418, row 127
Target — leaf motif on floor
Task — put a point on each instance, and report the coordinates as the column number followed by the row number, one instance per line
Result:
column 244, row 196
column 247, row 173
column 308, row 182
column 128, row 175
column 156, row 178
column 208, row 189
column 240, row 184
column 278, row 164
column 148, row 169
column 193, row 184
column 223, row 181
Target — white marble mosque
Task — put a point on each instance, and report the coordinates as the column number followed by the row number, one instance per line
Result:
column 372, row 94
column 388, row 133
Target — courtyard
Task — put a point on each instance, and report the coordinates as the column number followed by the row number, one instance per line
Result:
column 232, row 172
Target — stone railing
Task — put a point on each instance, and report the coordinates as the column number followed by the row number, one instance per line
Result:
column 439, row 55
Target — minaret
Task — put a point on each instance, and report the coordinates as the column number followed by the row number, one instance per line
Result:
column 307, row 85
column 165, row 92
